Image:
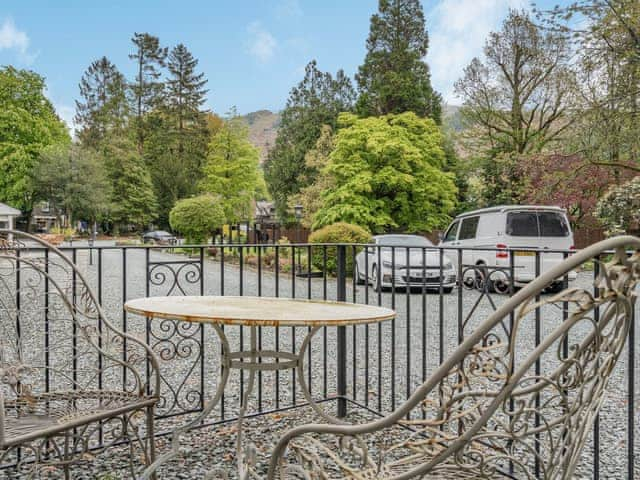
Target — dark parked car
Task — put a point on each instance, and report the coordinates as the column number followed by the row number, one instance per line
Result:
column 159, row 237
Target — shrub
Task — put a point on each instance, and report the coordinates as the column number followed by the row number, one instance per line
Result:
column 619, row 209
column 336, row 233
column 196, row 218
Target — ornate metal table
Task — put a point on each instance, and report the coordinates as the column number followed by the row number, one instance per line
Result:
column 254, row 312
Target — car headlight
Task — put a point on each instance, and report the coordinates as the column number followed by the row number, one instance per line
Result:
column 387, row 264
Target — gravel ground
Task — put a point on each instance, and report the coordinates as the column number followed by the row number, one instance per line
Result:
column 382, row 370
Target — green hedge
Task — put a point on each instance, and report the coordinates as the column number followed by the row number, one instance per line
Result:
column 337, row 233
column 197, row 217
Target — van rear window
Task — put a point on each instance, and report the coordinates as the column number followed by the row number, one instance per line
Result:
column 537, row 224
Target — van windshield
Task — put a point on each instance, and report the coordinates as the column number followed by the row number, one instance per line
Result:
column 537, row 224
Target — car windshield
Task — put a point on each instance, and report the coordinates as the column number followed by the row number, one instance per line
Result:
column 403, row 241
column 537, row 224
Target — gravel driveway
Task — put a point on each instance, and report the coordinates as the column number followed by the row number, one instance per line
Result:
column 386, row 362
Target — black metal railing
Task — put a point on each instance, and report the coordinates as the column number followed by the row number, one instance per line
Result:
column 439, row 294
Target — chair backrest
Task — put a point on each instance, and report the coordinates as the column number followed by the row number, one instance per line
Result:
column 505, row 402
column 53, row 332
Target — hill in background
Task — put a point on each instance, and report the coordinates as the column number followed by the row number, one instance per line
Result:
column 263, row 127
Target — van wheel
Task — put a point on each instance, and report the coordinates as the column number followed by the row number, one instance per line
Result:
column 483, row 283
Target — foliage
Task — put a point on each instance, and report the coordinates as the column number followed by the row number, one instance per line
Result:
column 232, row 172
column 520, row 91
column 310, row 197
column 176, row 145
column 73, row 180
column 606, row 37
column 619, row 209
column 394, row 78
column 146, row 89
column 184, row 88
column 28, row 124
column 340, row 232
column 132, row 199
column 514, row 101
column 197, row 217
column 315, row 101
column 104, row 110
column 567, row 181
column 388, row 175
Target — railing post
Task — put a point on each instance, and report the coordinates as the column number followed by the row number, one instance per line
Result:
column 341, row 367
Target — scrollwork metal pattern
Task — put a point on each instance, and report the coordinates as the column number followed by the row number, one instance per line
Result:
column 63, row 373
column 177, row 344
column 486, row 411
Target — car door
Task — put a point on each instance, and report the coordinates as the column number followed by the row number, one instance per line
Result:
column 467, row 239
column 450, row 239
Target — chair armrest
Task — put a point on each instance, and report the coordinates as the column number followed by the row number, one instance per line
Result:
column 2, row 419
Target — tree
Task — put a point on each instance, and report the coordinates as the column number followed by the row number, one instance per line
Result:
column 176, row 145
column 316, row 159
column 28, row 124
column 185, row 92
column 394, row 77
column 133, row 201
column 315, row 101
column 619, row 209
column 388, row 175
column 147, row 88
column 606, row 37
column 74, row 181
column 197, row 217
column 568, row 181
column 515, row 100
column 104, row 110
column 232, row 173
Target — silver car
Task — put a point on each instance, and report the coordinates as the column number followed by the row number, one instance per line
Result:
column 404, row 261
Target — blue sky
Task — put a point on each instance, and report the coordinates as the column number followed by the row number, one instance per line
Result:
column 252, row 51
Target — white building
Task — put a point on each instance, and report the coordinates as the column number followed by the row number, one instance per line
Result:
column 8, row 215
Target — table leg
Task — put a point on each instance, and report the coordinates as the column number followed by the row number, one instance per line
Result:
column 246, row 459
column 175, row 438
column 303, row 383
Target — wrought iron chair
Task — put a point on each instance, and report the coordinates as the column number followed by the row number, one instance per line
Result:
column 501, row 406
column 70, row 381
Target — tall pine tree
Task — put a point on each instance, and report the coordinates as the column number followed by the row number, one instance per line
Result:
column 176, row 146
column 146, row 89
column 394, row 78
column 315, row 101
column 104, row 108
column 185, row 89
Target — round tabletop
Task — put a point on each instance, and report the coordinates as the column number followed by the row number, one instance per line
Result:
column 258, row 311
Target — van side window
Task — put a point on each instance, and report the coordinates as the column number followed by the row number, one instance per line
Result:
column 468, row 228
column 450, row 236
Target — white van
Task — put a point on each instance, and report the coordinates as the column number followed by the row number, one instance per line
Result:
column 504, row 228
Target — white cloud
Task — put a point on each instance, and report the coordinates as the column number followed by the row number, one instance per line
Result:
column 13, row 39
column 457, row 33
column 66, row 113
column 261, row 44
column 286, row 9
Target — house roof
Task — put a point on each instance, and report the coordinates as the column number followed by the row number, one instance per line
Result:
column 6, row 210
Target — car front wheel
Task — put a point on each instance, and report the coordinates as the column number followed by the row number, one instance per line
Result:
column 377, row 281
column 359, row 279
